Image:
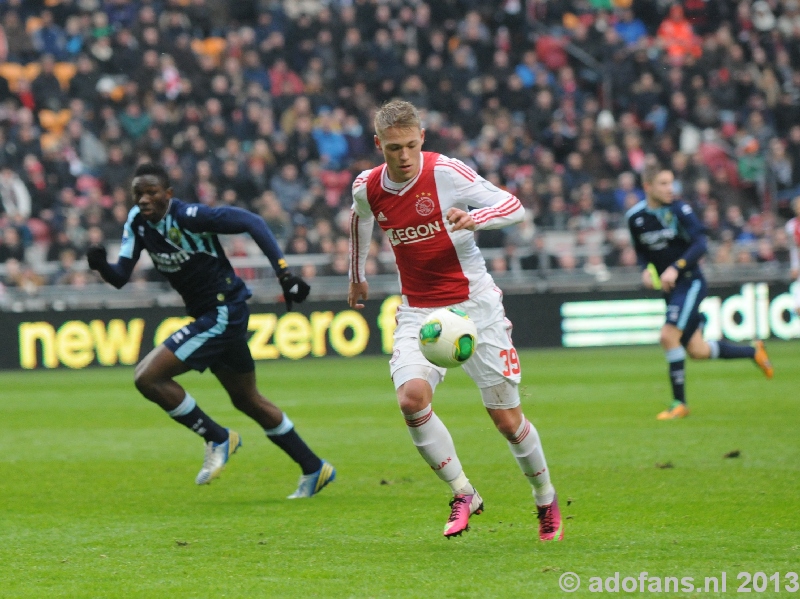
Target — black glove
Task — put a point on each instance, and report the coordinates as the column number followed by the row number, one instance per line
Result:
column 295, row 289
column 96, row 257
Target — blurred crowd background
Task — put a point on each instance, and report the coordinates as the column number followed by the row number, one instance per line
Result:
column 267, row 105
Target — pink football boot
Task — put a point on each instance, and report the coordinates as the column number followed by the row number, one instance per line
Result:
column 551, row 527
column 462, row 507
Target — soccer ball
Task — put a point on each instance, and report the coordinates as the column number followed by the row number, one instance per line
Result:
column 448, row 338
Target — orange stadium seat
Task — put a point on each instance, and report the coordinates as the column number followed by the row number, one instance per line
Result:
column 54, row 121
column 210, row 46
column 11, row 72
column 50, row 141
column 32, row 25
column 64, row 72
column 31, row 70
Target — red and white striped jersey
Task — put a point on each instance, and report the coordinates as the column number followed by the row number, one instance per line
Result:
column 437, row 266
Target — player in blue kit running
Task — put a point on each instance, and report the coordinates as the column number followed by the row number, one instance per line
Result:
column 182, row 240
column 670, row 240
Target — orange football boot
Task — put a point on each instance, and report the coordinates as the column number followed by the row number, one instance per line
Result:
column 674, row 412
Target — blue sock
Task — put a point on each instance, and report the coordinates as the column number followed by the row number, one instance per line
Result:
column 677, row 359
column 189, row 414
column 285, row 437
column 729, row 351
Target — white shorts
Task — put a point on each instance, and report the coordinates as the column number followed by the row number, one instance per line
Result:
column 494, row 361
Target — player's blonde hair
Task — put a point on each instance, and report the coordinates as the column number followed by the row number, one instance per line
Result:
column 651, row 171
column 396, row 113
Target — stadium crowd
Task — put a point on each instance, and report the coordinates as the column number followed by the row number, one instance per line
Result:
column 268, row 105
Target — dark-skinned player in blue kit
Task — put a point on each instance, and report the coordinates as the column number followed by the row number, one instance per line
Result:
column 182, row 240
column 670, row 240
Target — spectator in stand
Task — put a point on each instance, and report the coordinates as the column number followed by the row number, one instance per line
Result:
column 49, row 38
column 780, row 171
column 46, row 88
column 11, row 247
column 91, row 153
column 15, row 199
column 331, row 143
column 629, row 28
column 626, row 185
column 21, row 276
column 61, row 243
column 289, row 187
column 677, row 36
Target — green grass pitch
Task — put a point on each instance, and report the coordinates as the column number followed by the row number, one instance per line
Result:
column 97, row 493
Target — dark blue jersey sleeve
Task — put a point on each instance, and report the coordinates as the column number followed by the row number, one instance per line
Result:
column 227, row 220
column 118, row 274
column 695, row 231
column 129, row 251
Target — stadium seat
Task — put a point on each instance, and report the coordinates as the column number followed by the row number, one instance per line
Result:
column 32, row 25
column 55, row 121
column 50, row 141
column 31, row 70
column 64, row 72
column 210, row 46
column 11, row 72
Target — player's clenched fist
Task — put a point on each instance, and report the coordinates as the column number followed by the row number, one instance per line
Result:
column 294, row 288
column 96, row 257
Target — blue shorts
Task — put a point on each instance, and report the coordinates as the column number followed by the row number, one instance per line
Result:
column 683, row 307
column 217, row 338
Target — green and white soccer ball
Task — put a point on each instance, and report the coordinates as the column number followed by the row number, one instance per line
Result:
column 448, row 337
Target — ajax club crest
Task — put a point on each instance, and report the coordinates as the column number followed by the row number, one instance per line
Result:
column 425, row 205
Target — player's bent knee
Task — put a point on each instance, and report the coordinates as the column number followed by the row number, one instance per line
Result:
column 245, row 401
column 145, row 383
column 698, row 353
column 503, row 396
column 670, row 337
column 148, row 382
column 413, row 396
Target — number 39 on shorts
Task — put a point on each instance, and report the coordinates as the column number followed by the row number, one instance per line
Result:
column 511, row 361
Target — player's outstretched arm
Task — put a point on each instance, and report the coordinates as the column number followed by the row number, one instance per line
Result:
column 230, row 220
column 117, row 274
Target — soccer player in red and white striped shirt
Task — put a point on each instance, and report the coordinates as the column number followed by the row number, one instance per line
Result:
column 420, row 200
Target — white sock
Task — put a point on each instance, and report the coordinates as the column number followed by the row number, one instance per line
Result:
column 527, row 449
column 435, row 445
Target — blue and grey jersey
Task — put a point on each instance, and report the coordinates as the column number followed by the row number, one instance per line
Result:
column 670, row 235
column 185, row 248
